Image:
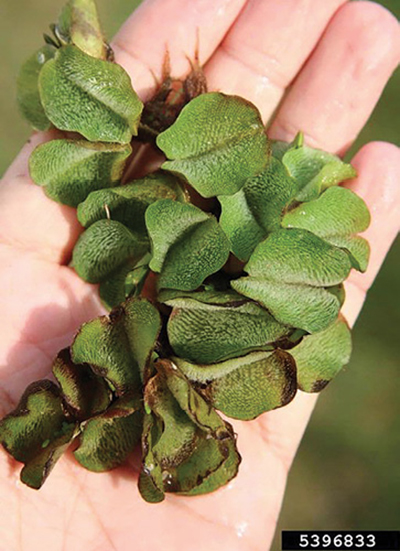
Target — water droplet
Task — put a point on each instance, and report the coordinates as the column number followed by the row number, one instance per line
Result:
column 148, row 468
column 241, row 528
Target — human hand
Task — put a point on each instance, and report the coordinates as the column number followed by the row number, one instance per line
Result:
column 254, row 49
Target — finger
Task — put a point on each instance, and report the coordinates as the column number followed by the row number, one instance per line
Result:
column 30, row 220
column 140, row 47
column 180, row 26
column 340, row 84
column 378, row 166
column 42, row 306
column 266, row 48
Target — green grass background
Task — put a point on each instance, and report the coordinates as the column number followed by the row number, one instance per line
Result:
column 347, row 472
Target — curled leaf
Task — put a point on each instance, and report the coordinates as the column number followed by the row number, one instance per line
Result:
column 228, row 147
column 321, row 356
column 207, row 295
column 108, row 439
column 208, row 333
column 206, row 418
column 336, row 216
column 79, row 24
column 69, row 170
column 314, row 170
column 257, row 209
column 151, row 484
column 37, row 432
column 119, row 346
column 294, row 274
column 93, row 97
column 245, row 387
column 212, row 465
column 28, row 96
column 178, row 438
column 103, row 248
column 126, row 281
column 205, row 455
column 143, row 326
column 188, row 245
column 84, row 393
column 127, row 204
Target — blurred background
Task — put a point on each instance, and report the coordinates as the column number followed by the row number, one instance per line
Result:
column 347, row 472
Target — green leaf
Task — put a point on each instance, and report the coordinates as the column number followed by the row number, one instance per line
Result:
column 79, row 24
column 207, row 333
column 93, row 97
column 321, row 356
column 108, row 439
column 207, row 296
column 245, row 387
column 104, row 344
column 211, row 466
column 28, row 96
column 257, row 209
column 357, row 247
column 127, row 204
column 302, row 306
column 70, row 170
column 143, row 326
column 178, row 438
column 315, row 170
column 214, row 459
column 188, row 245
column 279, row 148
column 126, row 281
column 336, row 216
column 151, row 486
column 228, row 147
column 119, row 346
column 199, row 411
column 294, row 274
column 338, row 211
column 84, row 393
column 37, row 432
column 105, row 247
column 297, row 256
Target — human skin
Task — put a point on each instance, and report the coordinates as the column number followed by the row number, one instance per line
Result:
column 336, row 57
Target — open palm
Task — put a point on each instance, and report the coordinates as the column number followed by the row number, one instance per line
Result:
column 320, row 67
